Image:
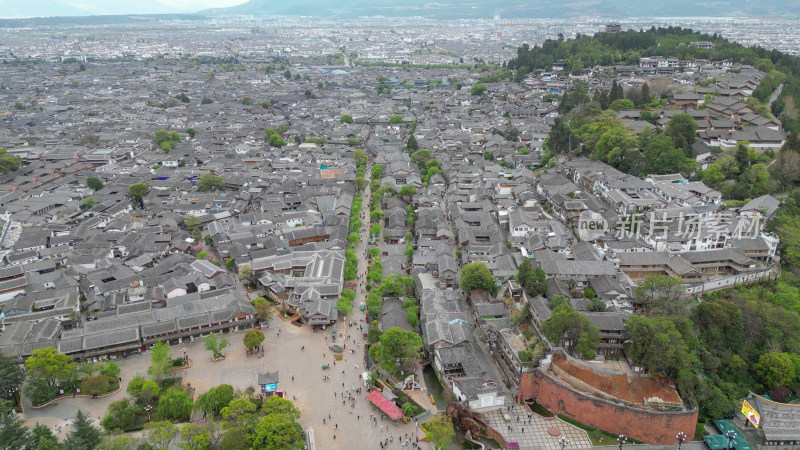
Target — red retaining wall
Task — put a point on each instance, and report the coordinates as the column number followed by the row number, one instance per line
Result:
column 650, row 427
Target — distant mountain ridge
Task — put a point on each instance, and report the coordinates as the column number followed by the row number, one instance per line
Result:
column 119, row 19
column 514, row 9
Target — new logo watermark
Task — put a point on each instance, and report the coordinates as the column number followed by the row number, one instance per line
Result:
column 591, row 226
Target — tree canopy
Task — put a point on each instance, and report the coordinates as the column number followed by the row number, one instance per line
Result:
column 137, row 191
column 11, row 376
column 94, row 183
column 476, row 275
column 532, row 281
column 210, row 182
column 253, row 338
column 8, row 162
column 440, row 431
column 160, row 361
column 48, row 364
column 83, row 434
column 175, row 404
column 573, row 329
column 212, row 401
column 657, row 345
column 396, row 345
column 660, row 294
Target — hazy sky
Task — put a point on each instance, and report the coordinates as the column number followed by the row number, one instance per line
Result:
column 35, row 8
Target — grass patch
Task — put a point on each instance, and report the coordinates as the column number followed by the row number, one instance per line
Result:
column 699, row 431
column 540, row 410
column 598, row 437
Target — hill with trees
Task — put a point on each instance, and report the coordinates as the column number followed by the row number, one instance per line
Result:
column 731, row 341
column 625, row 48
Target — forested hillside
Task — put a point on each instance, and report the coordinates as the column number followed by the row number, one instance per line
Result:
column 626, row 48
column 728, row 342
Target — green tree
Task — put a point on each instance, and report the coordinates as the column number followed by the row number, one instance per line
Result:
column 661, row 294
column 360, row 157
column 374, row 333
column 84, row 435
column 137, row 191
column 167, row 140
column 175, row 404
column 94, row 183
column 13, row 433
column 614, row 145
column 206, row 101
column 121, row 415
column 240, row 413
column 191, row 132
column 478, row 89
column 89, row 202
column 396, row 119
column 247, row 101
column 683, row 131
column 264, row 312
column 345, row 302
column 216, row 398
column 110, row 369
column 42, row 438
column 646, row 98
column 777, row 369
column 752, row 182
column 412, row 144
column 407, row 190
column 396, row 344
column 49, row 365
column 277, row 405
column 279, row 432
column 476, row 275
column 572, row 328
column 192, row 221
column 253, row 338
column 532, row 281
column 657, row 344
column 622, row 104
column 9, row 162
column 662, row 156
column 276, row 141
column 215, row 343
column 210, row 182
column 525, row 273
column 160, row 361
column 160, row 434
column 440, row 431
column 616, row 92
column 720, row 325
column 596, row 305
column 195, row 437
column 346, row 118
column 557, row 300
column 97, row 384
column 119, row 442
column 11, row 377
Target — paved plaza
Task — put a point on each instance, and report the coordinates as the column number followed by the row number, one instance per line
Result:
column 534, row 432
column 349, row 422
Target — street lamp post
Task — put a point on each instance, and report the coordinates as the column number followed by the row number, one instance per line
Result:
column 185, row 358
column 621, row 440
column 563, row 442
column 730, row 435
column 681, row 437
